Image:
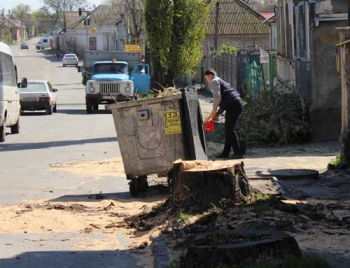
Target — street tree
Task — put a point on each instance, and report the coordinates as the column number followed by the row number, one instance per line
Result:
column 21, row 11
column 134, row 12
column 44, row 20
column 174, row 31
column 60, row 7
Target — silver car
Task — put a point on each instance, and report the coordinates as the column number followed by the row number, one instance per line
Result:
column 38, row 95
column 70, row 59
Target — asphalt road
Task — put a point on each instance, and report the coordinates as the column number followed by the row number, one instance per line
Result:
column 66, row 136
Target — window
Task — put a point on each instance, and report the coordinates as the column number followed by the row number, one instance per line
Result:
column 34, row 87
column 302, row 30
column 92, row 43
column 285, row 30
column 7, row 70
column 312, row 14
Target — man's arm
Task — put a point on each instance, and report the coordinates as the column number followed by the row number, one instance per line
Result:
column 215, row 89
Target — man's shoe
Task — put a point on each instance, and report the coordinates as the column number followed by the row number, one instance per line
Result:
column 237, row 156
column 221, row 156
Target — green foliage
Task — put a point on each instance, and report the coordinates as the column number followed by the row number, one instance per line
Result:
column 20, row 11
column 256, row 265
column 225, row 49
column 307, row 261
column 8, row 38
column 275, row 118
column 174, row 30
column 336, row 161
column 174, row 264
column 262, row 197
column 183, row 216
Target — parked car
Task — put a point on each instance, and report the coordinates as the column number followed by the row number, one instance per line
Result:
column 24, row 45
column 70, row 59
column 9, row 97
column 38, row 95
column 45, row 42
column 38, row 45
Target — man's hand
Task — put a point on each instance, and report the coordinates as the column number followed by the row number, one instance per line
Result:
column 214, row 115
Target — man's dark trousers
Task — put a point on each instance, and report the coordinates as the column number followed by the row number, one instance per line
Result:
column 233, row 111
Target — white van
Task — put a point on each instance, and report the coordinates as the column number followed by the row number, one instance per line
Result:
column 9, row 95
column 45, row 42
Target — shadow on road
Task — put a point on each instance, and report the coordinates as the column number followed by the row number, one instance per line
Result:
column 154, row 193
column 44, row 145
column 83, row 112
column 66, row 111
column 73, row 258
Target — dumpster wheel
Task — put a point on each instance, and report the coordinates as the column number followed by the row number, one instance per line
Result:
column 137, row 185
column 142, row 183
column 133, row 188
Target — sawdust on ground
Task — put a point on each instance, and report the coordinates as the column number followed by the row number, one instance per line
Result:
column 105, row 217
column 107, row 167
column 41, row 217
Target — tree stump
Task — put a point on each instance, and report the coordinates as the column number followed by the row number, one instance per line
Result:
column 202, row 184
column 234, row 248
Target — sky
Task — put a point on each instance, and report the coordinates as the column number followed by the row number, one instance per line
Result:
column 34, row 4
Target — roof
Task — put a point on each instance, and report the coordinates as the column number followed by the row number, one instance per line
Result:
column 103, row 14
column 237, row 18
column 271, row 19
column 110, row 62
column 12, row 21
column 267, row 15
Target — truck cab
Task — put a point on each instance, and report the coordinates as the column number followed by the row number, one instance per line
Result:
column 110, row 82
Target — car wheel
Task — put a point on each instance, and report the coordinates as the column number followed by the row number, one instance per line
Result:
column 49, row 110
column 89, row 106
column 64, row 65
column 95, row 106
column 55, row 108
column 3, row 131
column 15, row 128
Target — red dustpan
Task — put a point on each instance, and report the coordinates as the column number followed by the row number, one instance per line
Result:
column 209, row 126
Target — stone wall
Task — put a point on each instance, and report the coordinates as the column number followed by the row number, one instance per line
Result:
column 326, row 86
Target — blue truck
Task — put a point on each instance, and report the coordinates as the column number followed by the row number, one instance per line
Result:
column 113, row 76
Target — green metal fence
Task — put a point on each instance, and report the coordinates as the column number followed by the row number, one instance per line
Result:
column 253, row 80
column 260, row 78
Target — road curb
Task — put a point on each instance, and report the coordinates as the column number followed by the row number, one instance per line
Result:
column 161, row 253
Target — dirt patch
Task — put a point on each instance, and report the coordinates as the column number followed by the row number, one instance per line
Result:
column 106, row 167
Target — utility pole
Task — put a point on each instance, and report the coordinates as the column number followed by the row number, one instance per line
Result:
column 3, row 25
column 348, row 12
column 217, row 10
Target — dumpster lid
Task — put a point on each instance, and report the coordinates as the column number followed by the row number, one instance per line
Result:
column 127, row 104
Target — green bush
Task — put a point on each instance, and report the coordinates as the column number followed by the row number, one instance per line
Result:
column 275, row 118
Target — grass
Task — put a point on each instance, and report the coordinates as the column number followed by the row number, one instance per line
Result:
column 260, row 197
column 183, row 216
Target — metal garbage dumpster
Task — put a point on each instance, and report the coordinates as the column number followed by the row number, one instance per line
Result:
column 153, row 133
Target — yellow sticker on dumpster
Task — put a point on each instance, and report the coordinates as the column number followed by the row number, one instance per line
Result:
column 172, row 122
